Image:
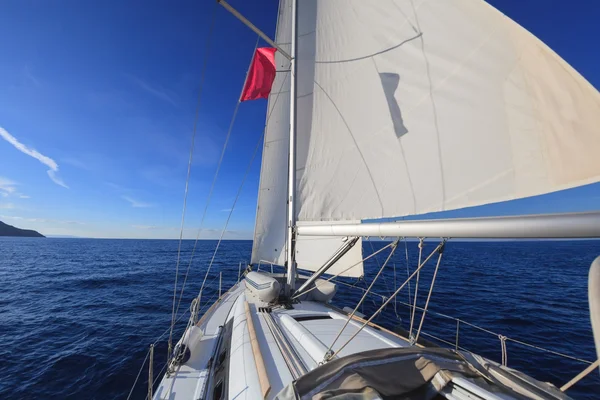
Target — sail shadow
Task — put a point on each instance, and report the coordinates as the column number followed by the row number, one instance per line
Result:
column 390, row 82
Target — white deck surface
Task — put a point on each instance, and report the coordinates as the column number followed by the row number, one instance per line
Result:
column 304, row 332
column 190, row 379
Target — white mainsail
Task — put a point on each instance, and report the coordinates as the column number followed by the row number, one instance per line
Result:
column 408, row 107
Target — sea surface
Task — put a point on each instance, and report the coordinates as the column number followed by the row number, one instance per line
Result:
column 77, row 315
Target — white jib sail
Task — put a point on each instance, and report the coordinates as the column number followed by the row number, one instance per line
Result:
column 271, row 213
column 270, row 230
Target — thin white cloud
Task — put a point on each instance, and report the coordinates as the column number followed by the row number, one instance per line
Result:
column 114, row 186
column 146, row 227
column 43, row 220
column 137, row 203
column 155, row 91
column 75, row 162
column 47, row 161
column 56, row 179
column 7, row 206
column 8, row 186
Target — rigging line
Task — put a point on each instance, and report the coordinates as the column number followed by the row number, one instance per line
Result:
column 230, row 213
column 393, row 249
column 148, row 353
column 167, row 331
column 437, row 266
column 410, row 305
column 214, row 181
column 195, row 307
column 187, row 179
column 347, row 269
column 363, row 281
column 443, row 341
column 407, row 268
column 379, row 265
column 395, row 300
column 138, row 375
column 159, row 374
column 260, row 139
column 383, row 297
column 384, row 304
column 210, row 283
column 547, row 350
column 414, row 310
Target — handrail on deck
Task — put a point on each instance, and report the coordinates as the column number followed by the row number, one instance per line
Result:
column 460, row 322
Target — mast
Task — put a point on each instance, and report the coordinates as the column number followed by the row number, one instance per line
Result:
column 291, row 214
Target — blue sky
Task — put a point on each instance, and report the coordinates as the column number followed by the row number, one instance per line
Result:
column 97, row 105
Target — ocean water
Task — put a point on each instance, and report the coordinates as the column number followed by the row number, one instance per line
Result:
column 77, row 315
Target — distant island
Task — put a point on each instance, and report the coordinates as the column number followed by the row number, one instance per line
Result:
column 9, row 230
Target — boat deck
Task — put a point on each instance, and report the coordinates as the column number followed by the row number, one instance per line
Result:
column 232, row 357
column 304, row 333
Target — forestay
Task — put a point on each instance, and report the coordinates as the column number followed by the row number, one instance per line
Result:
column 407, row 107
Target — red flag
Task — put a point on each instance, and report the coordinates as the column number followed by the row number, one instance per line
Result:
column 261, row 75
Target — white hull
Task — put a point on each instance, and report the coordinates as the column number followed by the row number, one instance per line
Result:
column 223, row 362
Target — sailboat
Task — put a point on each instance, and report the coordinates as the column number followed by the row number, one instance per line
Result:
column 378, row 110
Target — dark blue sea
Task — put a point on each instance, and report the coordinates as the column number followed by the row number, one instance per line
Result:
column 77, row 315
